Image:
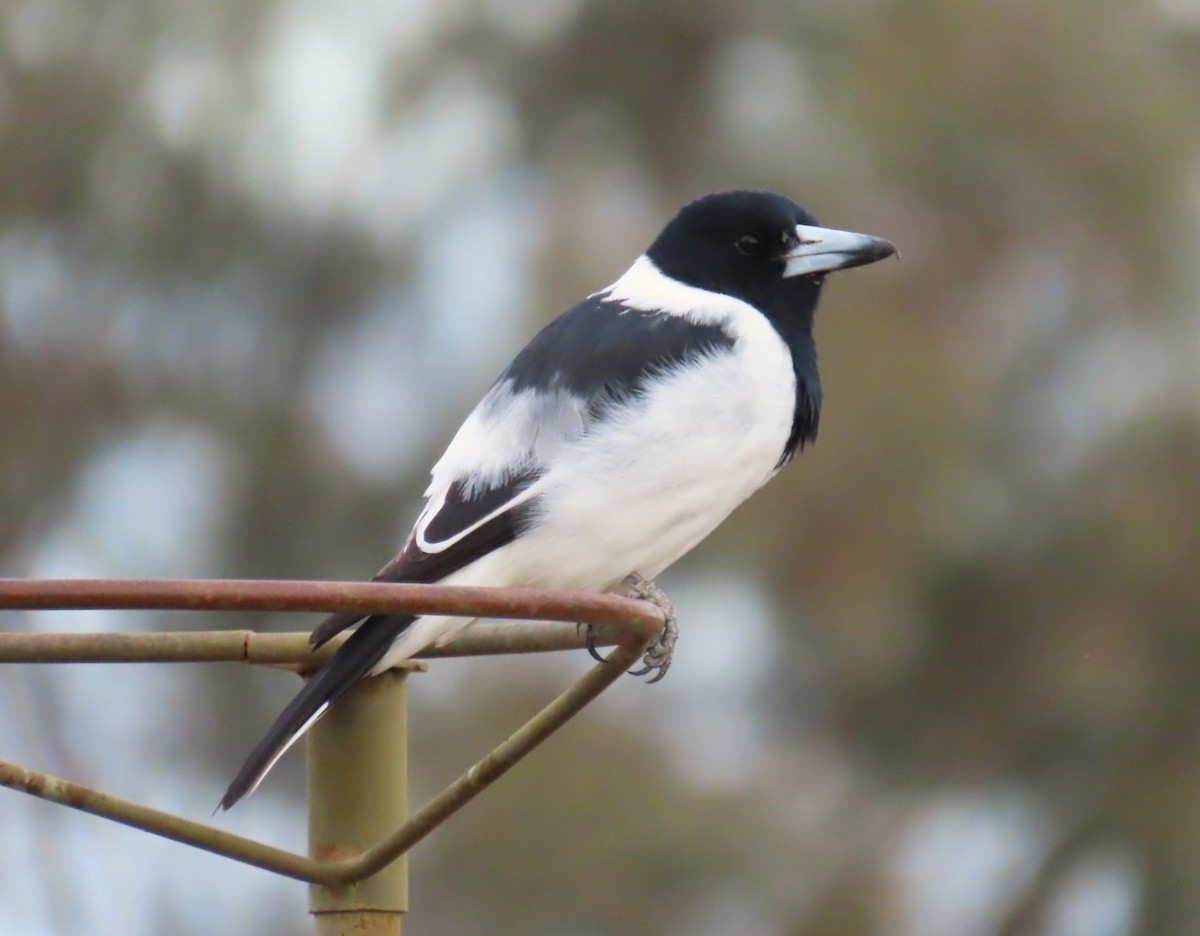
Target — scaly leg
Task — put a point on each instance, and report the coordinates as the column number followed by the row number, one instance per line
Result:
column 658, row 654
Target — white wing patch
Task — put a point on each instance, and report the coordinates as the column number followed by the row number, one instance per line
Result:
column 507, row 434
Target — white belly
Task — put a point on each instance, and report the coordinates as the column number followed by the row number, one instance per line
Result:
column 638, row 492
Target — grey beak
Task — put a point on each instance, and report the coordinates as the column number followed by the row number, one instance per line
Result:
column 821, row 250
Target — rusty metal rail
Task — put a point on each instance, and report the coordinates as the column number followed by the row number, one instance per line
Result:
column 530, row 604
column 627, row 623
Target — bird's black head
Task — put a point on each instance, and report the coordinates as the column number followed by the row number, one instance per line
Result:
column 761, row 248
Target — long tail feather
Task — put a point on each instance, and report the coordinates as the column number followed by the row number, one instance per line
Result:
column 354, row 660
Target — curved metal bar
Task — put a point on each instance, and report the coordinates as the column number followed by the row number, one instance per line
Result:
column 245, row 646
column 205, row 837
column 345, row 872
column 531, row 604
column 631, row 622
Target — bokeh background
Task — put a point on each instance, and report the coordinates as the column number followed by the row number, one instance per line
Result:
column 941, row 678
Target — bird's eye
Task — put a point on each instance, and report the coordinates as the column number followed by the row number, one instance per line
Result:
column 746, row 244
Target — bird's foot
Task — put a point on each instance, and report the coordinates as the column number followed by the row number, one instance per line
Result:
column 658, row 654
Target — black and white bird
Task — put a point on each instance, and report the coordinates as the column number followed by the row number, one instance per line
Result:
column 622, row 435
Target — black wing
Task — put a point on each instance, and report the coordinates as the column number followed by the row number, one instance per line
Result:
column 603, row 350
column 459, row 512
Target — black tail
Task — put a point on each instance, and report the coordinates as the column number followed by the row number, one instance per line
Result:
column 363, row 650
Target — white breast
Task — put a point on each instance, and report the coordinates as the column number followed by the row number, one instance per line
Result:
column 645, row 486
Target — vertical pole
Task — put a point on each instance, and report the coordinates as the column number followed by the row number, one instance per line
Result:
column 357, row 791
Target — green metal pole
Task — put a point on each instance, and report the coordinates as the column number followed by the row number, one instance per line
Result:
column 357, row 791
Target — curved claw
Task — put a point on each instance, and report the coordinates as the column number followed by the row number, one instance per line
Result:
column 591, row 644
column 640, row 672
column 658, row 657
